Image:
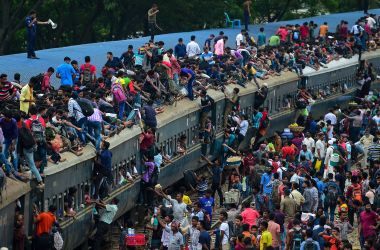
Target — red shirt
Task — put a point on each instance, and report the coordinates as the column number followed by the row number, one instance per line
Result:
column 88, row 65
column 304, row 30
column 44, row 222
column 28, row 123
column 45, row 82
column 147, row 141
column 287, row 151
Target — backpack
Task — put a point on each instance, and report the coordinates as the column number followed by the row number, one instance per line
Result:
column 276, row 199
column 87, row 75
column 87, row 109
column 309, row 245
column 38, row 131
column 296, row 35
column 297, row 239
column 118, row 93
column 24, row 136
column 38, row 84
column 331, row 195
column 357, row 193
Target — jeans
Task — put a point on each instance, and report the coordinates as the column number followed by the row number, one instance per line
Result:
column 176, row 79
column 7, row 144
column 29, row 157
column 332, row 211
column 41, row 152
column 121, row 110
column 31, row 42
column 4, row 160
column 94, row 129
column 189, row 88
column 82, row 123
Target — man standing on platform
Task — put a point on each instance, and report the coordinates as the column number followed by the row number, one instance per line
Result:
column 152, row 20
column 31, row 31
column 247, row 13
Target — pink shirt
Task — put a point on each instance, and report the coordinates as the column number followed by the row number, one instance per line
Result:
column 250, row 216
column 368, row 219
column 45, row 82
column 274, row 229
column 219, row 47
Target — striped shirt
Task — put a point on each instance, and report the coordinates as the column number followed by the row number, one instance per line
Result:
column 75, row 110
column 96, row 116
column 6, row 91
column 374, row 152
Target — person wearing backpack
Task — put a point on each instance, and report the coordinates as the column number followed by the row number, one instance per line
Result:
column 78, row 118
column 294, row 238
column 332, row 192
column 87, row 72
column 36, row 124
column 353, row 193
column 309, row 243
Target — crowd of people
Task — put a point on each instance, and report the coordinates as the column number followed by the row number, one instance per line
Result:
column 314, row 185
column 91, row 106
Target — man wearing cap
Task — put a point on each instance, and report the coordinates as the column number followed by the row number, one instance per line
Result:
column 66, row 73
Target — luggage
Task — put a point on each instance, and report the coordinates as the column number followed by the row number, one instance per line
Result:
column 232, row 197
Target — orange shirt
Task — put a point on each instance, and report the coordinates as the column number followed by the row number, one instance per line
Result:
column 323, row 30
column 45, row 222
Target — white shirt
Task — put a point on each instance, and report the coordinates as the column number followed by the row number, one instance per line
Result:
column 356, row 29
column 310, row 143
column 108, row 213
column 371, row 22
column 225, row 228
column 321, row 146
column 192, row 49
column 330, row 116
column 239, row 39
column 329, row 152
column 165, row 238
column 243, row 127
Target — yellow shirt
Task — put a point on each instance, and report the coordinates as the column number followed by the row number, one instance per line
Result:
column 266, row 237
column 26, row 94
column 186, row 199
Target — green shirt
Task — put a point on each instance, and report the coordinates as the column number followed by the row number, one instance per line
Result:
column 274, row 40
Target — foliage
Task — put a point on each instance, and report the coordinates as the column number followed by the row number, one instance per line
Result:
column 103, row 20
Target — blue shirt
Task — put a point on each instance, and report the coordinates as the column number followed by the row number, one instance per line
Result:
column 204, row 238
column 256, row 120
column 216, row 171
column 180, row 50
column 308, row 155
column 265, row 179
column 316, row 244
column 207, row 204
column 188, row 71
column 66, row 72
column 33, row 29
column 261, row 39
column 106, row 159
column 206, row 57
